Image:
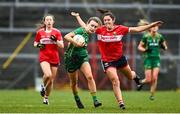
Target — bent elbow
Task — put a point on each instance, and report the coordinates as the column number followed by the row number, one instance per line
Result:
column 139, row 48
column 61, row 45
column 66, row 36
column 35, row 44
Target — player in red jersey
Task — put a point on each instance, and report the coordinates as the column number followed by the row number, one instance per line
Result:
column 110, row 46
column 49, row 40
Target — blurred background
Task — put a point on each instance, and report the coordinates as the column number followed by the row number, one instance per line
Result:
column 19, row 66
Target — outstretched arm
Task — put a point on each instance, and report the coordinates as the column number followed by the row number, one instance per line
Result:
column 80, row 21
column 144, row 27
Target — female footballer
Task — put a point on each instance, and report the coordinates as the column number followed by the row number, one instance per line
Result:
column 76, row 58
column 48, row 39
column 150, row 45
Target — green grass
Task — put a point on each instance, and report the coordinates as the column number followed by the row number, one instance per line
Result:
column 61, row 101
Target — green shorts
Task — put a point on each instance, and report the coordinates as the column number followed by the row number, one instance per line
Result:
column 74, row 62
column 151, row 62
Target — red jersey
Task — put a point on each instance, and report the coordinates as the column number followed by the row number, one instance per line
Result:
column 110, row 42
column 50, row 53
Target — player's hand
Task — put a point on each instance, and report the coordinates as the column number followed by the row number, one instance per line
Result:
column 41, row 46
column 157, row 23
column 74, row 14
column 163, row 47
column 79, row 44
column 53, row 38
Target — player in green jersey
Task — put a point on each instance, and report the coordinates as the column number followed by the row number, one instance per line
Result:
column 76, row 58
column 150, row 45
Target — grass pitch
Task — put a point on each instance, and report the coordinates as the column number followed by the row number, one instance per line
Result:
column 61, row 101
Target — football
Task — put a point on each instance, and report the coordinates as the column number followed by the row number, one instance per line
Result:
column 79, row 38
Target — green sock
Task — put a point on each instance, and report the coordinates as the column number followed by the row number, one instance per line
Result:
column 94, row 96
column 76, row 97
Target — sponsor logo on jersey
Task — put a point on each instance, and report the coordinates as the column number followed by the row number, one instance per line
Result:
column 153, row 44
column 46, row 41
column 114, row 38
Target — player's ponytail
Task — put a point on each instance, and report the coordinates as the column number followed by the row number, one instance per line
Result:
column 102, row 11
column 40, row 26
column 105, row 12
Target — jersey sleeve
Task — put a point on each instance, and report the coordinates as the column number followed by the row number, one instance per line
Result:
column 161, row 38
column 37, row 37
column 98, row 30
column 144, row 38
column 59, row 36
column 78, row 30
column 124, row 29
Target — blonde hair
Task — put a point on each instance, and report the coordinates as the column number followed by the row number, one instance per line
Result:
column 142, row 22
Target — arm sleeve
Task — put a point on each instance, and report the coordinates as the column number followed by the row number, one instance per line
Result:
column 161, row 38
column 124, row 29
column 78, row 30
column 59, row 36
column 98, row 31
column 144, row 39
column 37, row 37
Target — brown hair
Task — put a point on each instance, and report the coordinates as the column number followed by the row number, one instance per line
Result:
column 105, row 12
column 96, row 19
column 41, row 24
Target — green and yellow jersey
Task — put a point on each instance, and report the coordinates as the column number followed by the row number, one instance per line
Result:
column 81, row 51
column 76, row 56
column 152, row 43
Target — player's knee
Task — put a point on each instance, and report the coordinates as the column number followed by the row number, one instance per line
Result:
column 115, row 82
column 48, row 75
column 155, row 77
column 148, row 81
column 73, row 84
column 132, row 75
column 89, row 78
column 154, row 80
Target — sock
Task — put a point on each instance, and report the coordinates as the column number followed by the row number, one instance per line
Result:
column 152, row 94
column 45, row 97
column 93, row 94
column 137, row 80
column 76, row 97
column 120, row 102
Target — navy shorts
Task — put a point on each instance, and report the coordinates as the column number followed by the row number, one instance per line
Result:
column 54, row 65
column 120, row 63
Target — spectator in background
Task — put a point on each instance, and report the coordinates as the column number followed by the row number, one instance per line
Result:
column 110, row 46
column 150, row 45
column 76, row 58
column 48, row 39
